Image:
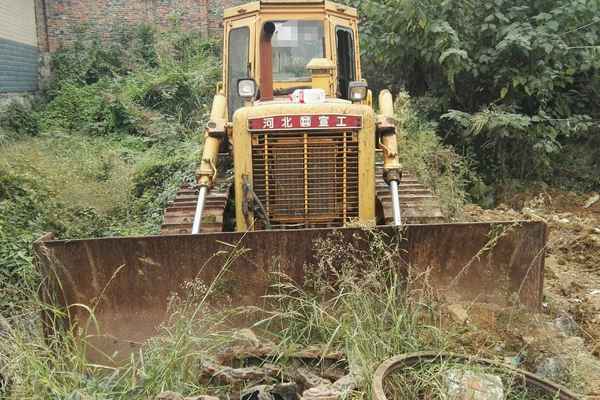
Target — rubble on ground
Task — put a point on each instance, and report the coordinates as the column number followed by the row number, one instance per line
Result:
column 561, row 341
column 463, row 384
column 168, row 395
column 281, row 391
column 565, row 337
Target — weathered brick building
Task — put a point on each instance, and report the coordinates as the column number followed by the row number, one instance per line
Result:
column 31, row 29
column 58, row 19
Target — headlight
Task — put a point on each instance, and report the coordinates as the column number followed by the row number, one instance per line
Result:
column 246, row 88
column 357, row 91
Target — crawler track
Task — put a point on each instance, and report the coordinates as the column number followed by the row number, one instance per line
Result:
column 418, row 205
column 179, row 215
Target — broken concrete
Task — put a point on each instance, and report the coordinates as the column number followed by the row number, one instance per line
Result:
column 323, row 392
column 469, row 385
column 219, row 374
column 307, row 379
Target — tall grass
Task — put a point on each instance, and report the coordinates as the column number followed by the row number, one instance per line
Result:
column 41, row 359
column 366, row 303
column 79, row 171
column 355, row 301
column 358, row 298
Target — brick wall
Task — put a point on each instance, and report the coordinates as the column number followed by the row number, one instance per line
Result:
column 60, row 18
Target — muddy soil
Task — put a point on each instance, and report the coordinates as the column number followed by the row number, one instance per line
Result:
column 565, row 337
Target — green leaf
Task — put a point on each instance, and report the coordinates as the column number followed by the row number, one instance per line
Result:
column 552, row 25
column 452, row 52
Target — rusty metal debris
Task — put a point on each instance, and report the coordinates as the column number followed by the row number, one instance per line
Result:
column 224, row 375
column 308, row 374
column 412, row 359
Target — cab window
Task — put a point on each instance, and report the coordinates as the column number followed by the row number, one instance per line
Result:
column 237, row 59
column 294, row 44
column 345, row 59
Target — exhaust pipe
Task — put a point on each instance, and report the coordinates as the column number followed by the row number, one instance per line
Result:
column 199, row 210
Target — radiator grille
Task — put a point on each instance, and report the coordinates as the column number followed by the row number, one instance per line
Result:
column 306, row 179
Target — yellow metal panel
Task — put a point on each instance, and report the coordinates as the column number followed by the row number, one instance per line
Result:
column 291, row 84
column 242, row 159
column 366, row 167
column 341, row 9
column 241, row 10
column 291, row 2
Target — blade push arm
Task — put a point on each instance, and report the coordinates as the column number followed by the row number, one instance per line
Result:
column 207, row 170
column 388, row 141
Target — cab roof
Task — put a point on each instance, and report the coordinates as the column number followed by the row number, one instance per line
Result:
column 257, row 6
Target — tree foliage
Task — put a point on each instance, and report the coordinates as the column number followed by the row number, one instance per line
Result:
column 514, row 81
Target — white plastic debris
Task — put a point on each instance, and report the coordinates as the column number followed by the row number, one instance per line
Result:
column 470, row 385
column 591, row 201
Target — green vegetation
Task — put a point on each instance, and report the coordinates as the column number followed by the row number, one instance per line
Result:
column 114, row 137
column 503, row 92
column 514, row 85
column 17, row 120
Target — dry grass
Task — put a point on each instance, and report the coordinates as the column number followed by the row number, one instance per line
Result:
column 80, row 171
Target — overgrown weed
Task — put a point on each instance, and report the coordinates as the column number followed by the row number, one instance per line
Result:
column 118, row 136
column 79, row 171
column 42, row 358
column 361, row 300
column 437, row 165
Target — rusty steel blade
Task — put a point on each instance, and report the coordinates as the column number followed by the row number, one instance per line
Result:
column 129, row 280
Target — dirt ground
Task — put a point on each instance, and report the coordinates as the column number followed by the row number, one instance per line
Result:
column 565, row 337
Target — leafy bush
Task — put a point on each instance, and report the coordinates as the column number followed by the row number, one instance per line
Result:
column 24, row 216
column 515, row 80
column 20, row 120
column 437, row 165
column 90, row 58
column 175, row 91
column 132, row 83
column 92, row 109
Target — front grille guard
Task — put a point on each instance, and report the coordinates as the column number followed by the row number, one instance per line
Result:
column 306, row 179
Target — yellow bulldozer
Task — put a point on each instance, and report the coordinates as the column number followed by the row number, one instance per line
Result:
column 293, row 150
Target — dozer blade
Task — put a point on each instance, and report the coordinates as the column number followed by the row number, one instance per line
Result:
column 128, row 281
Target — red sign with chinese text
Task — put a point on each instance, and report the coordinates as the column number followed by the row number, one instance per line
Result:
column 292, row 122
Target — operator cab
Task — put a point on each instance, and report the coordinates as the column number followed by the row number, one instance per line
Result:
column 271, row 44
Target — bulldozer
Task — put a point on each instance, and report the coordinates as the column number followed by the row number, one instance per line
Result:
column 293, row 150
